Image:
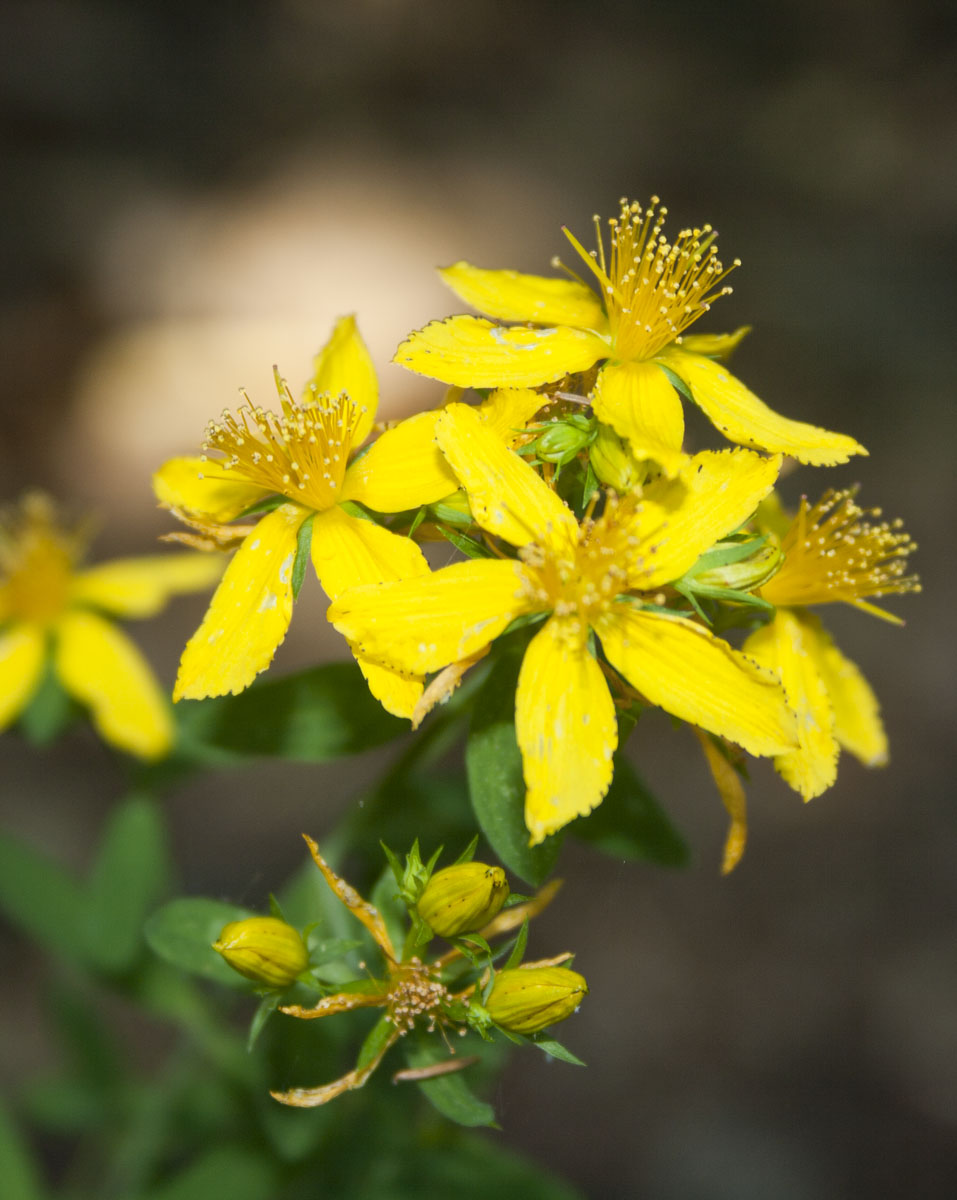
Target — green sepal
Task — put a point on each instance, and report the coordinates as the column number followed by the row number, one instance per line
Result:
column 50, row 711
column 554, row 1049
column 303, row 549
column 265, row 1009
column 518, row 950
column 676, row 382
column 268, row 505
column 468, row 546
column 382, row 1032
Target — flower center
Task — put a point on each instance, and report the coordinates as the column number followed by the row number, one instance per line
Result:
column 301, row 453
column 37, row 559
column 580, row 582
column 832, row 553
column 416, row 994
column 654, row 289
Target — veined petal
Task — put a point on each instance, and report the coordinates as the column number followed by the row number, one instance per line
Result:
column 347, row 552
column 716, row 491
column 731, row 790
column 249, row 613
column 566, row 729
column 638, row 401
column 195, row 485
column 512, row 296
column 742, row 417
column 508, row 498
column 100, row 666
column 783, row 648
column 508, row 410
column 139, row 587
column 713, row 345
column 402, row 469
column 22, row 651
column 422, row 625
column 473, row 352
column 857, row 716
column 344, row 365
column 699, row 678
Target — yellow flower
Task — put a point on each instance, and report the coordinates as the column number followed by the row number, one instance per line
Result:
column 593, row 577
column 831, row 553
column 301, row 455
column 48, row 605
column 650, row 291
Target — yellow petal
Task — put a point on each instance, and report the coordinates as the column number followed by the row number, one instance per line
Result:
column 716, row 491
column 401, row 469
column 348, row 552
column 422, row 625
column 193, row 484
column 507, row 496
column 566, row 729
column 783, row 647
column 699, row 678
column 249, row 613
column 22, row 651
column 637, row 400
column 742, row 417
column 731, row 790
column 508, row 410
column 361, row 909
column 857, row 716
column 100, row 666
column 714, row 345
column 344, row 365
column 139, row 587
column 512, row 296
column 472, row 352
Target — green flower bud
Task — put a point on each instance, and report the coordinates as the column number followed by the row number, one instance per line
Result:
column 561, row 440
column 746, row 574
column 264, row 949
column 527, row 999
column 462, row 898
column 613, row 462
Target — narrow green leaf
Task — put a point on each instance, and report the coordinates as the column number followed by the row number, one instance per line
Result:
column 182, row 933
column 303, row 549
column 39, row 897
column 450, row 1094
column 378, row 1038
column 555, row 1049
column 468, row 546
column 677, row 383
column 129, row 875
column 313, row 716
column 267, row 1006
column 21, row 1178
column 629, row 823
column 518, row 950
column 496, row 784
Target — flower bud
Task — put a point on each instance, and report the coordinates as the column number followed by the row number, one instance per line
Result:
column 561, row 440
column 264, row 949
column 746, row 574
column 527, row 999
column 613, row 462
column 462, row 898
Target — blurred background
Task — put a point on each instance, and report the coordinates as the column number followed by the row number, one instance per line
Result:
column 194, row 192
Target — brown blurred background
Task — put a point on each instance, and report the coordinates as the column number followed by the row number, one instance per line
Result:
column 193, row 192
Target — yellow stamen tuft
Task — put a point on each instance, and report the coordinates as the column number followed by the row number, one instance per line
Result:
column 37, row 560
column 832, row 553
column 302, row 453
column 654, row 289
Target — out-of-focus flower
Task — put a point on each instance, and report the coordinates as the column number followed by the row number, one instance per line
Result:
column 599, row 577
column 302, row 457
column 462, row 898
column 264, row 949
column 650, row 291
column 831, row 553
column 528, row 999
column 50, row 606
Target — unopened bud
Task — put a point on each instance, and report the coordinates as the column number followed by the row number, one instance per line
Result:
column 560, row 441
column 264, row 949
column 462, row 898
column 527, row 999
column 746, row 574
column 613, row 462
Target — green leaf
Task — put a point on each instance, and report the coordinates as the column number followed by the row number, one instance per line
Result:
column 496, row 784
column 129, row 875
column 21, row 1179
column 50, row 710
column 183, row 931
column 468, row 546
column 629, row 823
column 313, row 716
column 267, row 1006
column 381, row 1034
column 303, row 549
column 555, row 1049
column 231, row 1171
column 450, row 1094
column 518, row 950
column 40, row 897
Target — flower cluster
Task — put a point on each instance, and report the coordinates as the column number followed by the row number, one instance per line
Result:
column 585, row 524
